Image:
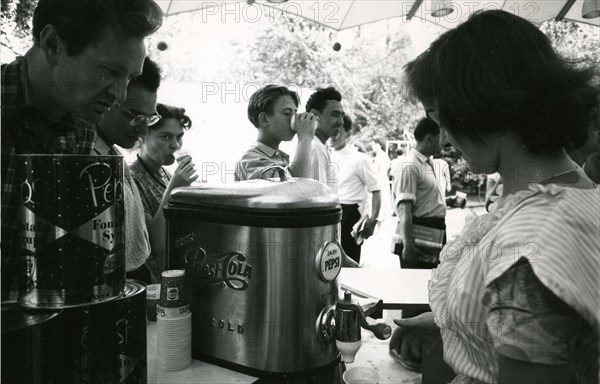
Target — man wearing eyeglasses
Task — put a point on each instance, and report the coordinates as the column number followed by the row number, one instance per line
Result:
column 123, row 125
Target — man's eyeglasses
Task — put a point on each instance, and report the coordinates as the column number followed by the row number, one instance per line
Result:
column 139, row 119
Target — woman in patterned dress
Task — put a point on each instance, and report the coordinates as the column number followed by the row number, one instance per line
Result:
column 158, row 149
column 516, row 295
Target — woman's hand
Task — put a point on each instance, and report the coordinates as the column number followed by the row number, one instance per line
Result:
column 411, row 336
column 185, row 173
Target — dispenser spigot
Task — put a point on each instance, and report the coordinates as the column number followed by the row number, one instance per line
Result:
column 349, row 318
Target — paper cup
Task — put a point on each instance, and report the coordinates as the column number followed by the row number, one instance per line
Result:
column 182, row 154
column 174, row 292
column 361, row 375
column 171, row 313
column 174, row 343
column 152, row 298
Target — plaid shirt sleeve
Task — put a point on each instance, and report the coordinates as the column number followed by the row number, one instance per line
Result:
column 72, row 136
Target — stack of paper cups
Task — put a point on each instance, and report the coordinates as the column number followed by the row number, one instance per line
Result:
column 152, row 297
column 174, row 322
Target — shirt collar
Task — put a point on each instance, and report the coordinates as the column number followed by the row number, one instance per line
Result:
column 421, row 157
column 100, row 146
column 24, row 107
column 347, row 149
column 14, row 87
column 268, row 150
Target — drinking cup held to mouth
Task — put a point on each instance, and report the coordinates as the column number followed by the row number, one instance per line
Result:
column 182, row 154
column 293, row 123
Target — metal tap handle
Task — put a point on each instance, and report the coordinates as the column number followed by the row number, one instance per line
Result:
column 381, row 330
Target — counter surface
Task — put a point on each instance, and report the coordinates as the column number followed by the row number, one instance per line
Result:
column 396, row 288
column 198, row 372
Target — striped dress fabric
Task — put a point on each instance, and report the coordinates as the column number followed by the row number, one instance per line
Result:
column 554, row 229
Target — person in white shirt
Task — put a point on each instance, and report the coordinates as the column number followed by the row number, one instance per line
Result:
column 356, row 179
column 442, row 174
column 326, row 104
column 396, row 162
column 382, row 163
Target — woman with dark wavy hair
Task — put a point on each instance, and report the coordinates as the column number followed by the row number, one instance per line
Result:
column 516, row 295
column 154, row 182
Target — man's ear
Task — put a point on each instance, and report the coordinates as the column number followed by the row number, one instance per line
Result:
column 315, row 112
column 51, row 43
column 430, row 139
column 262, row 119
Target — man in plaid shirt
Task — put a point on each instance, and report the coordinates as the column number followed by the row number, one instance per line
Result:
column 84, row 54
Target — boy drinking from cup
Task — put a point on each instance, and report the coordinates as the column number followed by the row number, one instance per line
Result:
column 272, row 110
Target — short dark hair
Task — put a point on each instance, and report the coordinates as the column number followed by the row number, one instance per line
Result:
column 150, row 77
column 347, row 123
column 170, row 112
column 319, row 99
column 264, row 100
column 80, row 22
column 498, row 71
column 425, row 127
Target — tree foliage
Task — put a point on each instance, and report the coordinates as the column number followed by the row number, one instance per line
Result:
column 19, row 14
column 368, row 72
column 576, row 41
column 16, row 18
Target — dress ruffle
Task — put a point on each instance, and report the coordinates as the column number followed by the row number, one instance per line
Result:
column 475, row 229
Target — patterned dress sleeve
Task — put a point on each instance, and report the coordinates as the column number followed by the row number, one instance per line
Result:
column 527, row 322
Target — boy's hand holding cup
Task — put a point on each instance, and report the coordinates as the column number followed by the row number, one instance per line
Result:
column 305, row 125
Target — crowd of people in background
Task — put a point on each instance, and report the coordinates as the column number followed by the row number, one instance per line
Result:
column 501, row 102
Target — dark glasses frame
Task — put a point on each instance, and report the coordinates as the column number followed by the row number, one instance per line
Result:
column 139, row 119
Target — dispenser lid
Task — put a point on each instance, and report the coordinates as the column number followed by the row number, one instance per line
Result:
column 292, row 195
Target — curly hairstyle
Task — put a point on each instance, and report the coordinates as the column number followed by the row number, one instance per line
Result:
column 499, row 72
column 170, row 112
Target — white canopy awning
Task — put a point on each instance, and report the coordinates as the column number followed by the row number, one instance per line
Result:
column 344, row 14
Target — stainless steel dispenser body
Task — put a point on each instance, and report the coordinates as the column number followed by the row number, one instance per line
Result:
column 262, row 270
